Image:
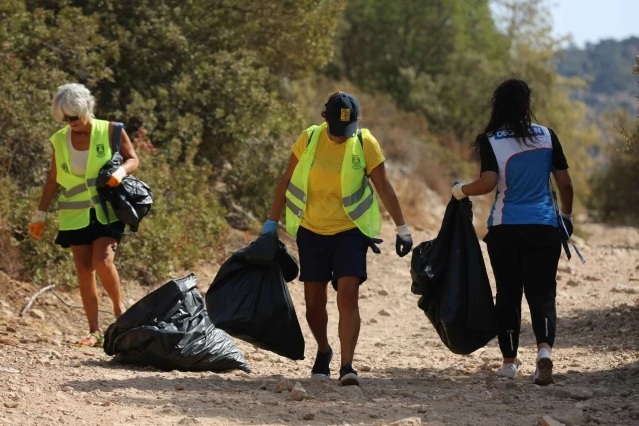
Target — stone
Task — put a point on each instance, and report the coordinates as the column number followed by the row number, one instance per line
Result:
column 572, row 283
column 9, row 370
column 410, row 421
column 384, row 313
column 372, row 321
column 11, row 404
column 309, row 416
column 351, row 392
column 55, row 354
column 75, row 364
column 601, row 392
column 106, row 404
column 365, row 368
column 567, row 269
column 11, row 329
column 9, row 341
column 298, row 393
column 563, row 393
column 549, row 421
column 383, row 292
column 37, row 314
column 422, row 410
column 67, row 389
column 571, row 417
column 178, row 387
column 580, row 394
column 283, row 385
column 263, row 386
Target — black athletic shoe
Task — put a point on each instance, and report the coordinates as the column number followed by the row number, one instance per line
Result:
column 348, row 376
column 321, row 368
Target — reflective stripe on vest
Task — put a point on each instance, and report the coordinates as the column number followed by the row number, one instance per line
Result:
column 75, row 205
column 360, row 205
column 78, row 189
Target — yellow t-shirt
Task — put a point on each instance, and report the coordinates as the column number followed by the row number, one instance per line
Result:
column 324, row 212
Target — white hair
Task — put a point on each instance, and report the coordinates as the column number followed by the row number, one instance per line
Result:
column 72, row 99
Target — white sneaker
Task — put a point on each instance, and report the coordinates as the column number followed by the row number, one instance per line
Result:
column 543, row 373
column 508, row 370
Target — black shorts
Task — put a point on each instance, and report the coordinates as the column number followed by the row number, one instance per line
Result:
column 330, row 257
column 86, row 236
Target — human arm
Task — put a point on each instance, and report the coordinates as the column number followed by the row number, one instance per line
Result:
column 485, row 184
column 489, row 174
column 279, row 201
column 386, row 192
column 131, row 161
column 36, row 227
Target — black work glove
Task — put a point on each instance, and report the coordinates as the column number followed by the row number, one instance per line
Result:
column 404, row 241
column 372, row 244
column 567, row 219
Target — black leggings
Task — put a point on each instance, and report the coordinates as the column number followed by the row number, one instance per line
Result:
column 524, row 257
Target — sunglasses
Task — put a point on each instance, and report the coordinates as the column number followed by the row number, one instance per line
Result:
column 72, row 118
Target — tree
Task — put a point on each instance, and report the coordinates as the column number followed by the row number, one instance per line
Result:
column 431, row 56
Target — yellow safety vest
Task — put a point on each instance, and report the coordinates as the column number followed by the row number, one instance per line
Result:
column 358, row 199
column 79, row 194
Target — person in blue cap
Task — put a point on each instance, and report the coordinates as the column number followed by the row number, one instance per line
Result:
column 332, row 211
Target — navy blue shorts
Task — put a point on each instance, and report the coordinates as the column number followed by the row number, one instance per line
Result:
column 326, row 258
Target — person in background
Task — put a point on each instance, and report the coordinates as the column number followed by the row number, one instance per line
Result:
column 332, row 211
column 80, row 150
column 525, row 226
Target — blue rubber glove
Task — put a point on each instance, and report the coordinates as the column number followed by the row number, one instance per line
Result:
column 372, row 244
column 269, row 227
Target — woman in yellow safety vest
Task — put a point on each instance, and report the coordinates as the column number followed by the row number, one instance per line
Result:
column 332, row 211
column 80, row 150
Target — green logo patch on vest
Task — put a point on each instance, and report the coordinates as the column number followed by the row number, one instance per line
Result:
column 357, row 163
column 65, row 167
column 100, row 149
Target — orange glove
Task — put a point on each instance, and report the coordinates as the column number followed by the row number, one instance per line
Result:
column 36, row 227
column 116, row 177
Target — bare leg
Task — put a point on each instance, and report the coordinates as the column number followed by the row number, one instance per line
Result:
column 316, row 315
column 349, row 320
column 103, row 256
column 83, row 259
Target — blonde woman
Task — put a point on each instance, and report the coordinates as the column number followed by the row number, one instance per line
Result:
column 80, row 150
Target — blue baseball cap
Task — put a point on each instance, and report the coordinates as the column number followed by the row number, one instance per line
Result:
column 342, row 113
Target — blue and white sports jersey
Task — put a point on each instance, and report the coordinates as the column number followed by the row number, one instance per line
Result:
column 523, row 194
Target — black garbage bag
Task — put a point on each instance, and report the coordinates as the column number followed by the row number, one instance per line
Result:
column 450, row 275
column 169, row 329
column 250, row 300
column 131, row 200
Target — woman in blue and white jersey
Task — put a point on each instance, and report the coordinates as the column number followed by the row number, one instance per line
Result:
column 524, row 237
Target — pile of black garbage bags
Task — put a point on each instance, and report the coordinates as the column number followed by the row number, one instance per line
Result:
column 171, row 328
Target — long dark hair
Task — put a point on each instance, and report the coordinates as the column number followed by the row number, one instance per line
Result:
column 512, row 111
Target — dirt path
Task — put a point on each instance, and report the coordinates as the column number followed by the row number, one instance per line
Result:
column 408, row 376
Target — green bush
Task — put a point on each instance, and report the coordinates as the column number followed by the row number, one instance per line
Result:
column 615, row 195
